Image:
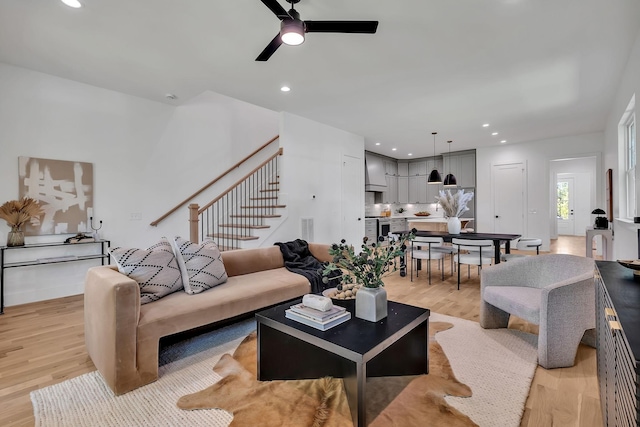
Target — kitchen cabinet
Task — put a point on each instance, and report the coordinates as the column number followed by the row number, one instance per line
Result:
column 463, row 166
column 417, row 186
column 371, row 229
column 617, row 343
column 398, row 224
column 403, row 182
column 433, row 190
column 390, row 195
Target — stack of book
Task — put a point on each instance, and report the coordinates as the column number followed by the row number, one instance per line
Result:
column 322, row 320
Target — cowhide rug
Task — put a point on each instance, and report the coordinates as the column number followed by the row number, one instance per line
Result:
column 391, row 401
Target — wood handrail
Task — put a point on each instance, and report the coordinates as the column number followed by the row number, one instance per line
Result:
column 188, row 199
column 224, row 193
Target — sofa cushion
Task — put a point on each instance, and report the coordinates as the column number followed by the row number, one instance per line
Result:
column 154, row 269
column 201, row 265
column 522, row 301
column 240, row 294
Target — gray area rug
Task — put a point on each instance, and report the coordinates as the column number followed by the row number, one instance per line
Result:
column 498, row 365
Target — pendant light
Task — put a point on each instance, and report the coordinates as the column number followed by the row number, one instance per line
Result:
column 450, row 180
column 434, row 176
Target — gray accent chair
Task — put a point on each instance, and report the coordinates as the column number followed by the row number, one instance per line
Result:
column 554, row 291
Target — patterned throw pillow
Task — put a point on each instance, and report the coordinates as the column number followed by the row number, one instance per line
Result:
column 201, row 265
column 155, row 269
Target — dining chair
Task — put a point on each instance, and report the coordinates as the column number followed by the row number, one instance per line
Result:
column 473, row 252
column 419, row 253
column 524, row 244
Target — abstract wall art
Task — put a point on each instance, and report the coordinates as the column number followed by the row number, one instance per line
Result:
column 64, row 190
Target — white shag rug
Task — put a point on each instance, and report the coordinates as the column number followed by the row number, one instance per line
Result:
column 498, row 365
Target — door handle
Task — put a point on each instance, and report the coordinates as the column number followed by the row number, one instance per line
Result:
column 497, row 216
column 359, row 219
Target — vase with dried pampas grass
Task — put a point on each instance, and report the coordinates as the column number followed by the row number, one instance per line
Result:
column 17, row 213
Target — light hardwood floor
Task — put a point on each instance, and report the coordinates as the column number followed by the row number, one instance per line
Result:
column 43, row 344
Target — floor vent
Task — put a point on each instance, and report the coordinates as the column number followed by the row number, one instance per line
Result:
column 306, row 226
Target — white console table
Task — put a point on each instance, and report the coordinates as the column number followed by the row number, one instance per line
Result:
column 607, row 242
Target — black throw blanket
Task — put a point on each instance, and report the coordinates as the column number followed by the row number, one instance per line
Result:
column 298, row 259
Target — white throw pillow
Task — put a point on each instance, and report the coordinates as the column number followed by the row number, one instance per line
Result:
column 155, row 269
column 201, row 265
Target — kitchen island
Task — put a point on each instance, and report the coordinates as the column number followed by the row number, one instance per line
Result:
column 432, row 223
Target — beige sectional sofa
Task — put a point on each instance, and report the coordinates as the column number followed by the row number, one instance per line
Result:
column 122, row 337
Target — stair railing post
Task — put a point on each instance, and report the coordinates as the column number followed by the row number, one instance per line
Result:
column 193, row 222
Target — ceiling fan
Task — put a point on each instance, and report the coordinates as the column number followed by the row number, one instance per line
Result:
column 292, row 28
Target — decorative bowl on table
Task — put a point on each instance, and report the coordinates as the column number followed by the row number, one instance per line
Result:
column 423, row 213
column 345, row 297
column 633, row 264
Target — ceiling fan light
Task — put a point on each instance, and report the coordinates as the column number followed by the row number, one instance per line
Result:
column 292, row 32
column 72, row 3
column 450, row 181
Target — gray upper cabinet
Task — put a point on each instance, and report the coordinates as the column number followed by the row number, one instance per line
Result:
column 390, row 195
column 403, row 182
column 463, row 166
column 433, row 190
column 418, row 181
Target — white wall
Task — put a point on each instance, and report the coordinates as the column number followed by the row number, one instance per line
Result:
column 147, row 156
column 625, row 232
column 312, row 165
column 537, row 156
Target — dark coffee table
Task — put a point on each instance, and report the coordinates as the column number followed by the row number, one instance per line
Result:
column 354, row 350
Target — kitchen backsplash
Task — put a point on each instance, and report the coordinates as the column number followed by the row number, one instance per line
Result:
column 371, row 209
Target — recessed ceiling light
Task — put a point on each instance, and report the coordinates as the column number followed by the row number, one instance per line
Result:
column 377, row 143
column 410, row 154
column 486, row 125
column 503, row 141
column 170, row 96
column 494, row 133
column 393, row 149
column 285, row 88
column 72, row 3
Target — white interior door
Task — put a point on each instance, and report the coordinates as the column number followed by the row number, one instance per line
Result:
column 352, row 199
column 509, row 198
column 566, row 206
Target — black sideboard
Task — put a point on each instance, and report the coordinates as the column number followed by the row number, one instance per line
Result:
column 618, row 343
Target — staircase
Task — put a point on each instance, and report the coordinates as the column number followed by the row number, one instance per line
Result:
column 244, row 213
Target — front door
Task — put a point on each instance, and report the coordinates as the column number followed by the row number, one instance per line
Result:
column 566, row 213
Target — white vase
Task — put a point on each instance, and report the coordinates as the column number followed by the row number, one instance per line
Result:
column 453, row 225
column 371, row 304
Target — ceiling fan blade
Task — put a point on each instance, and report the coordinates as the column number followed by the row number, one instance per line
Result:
column 366, row 27
column 277, row 10
column 270, row 49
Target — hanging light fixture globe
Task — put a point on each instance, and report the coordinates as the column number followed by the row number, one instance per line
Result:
column 434, row 176
column 450, row 180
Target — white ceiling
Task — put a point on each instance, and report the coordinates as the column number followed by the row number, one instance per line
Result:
column 533, row 69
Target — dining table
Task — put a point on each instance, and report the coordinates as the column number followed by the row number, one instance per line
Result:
column 497, row 238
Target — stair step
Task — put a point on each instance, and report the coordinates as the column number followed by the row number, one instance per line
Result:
column 275, row 190
column 255, row 216
column 274, row 183
column 232, row 236
column 264, row 198
column 264, row 207
column 254, row 227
